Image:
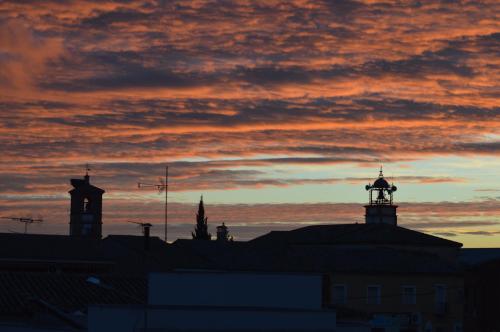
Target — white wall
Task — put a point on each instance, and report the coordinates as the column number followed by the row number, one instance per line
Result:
column 291, row 291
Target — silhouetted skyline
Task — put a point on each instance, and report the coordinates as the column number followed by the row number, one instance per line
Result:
column 278, row 112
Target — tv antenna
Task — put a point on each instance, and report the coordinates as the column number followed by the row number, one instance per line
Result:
column 162, row 186
column 25, row 220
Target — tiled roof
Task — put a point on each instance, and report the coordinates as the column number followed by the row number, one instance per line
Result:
column 67, row 292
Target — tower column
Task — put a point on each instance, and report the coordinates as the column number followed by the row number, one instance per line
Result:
column 86, row 209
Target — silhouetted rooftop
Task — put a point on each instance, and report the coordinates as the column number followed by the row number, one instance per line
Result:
column 66, row 292
column 118, row 253
column 84, row 184
column 346, row 234
column 378, row 260
column 283, row 257
column 50, row 248
column 209, row 254
column 160, row 256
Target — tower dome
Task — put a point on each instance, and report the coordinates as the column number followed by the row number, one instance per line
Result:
column 381, row 182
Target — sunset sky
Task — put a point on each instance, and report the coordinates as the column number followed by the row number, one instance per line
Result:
column 278, row 112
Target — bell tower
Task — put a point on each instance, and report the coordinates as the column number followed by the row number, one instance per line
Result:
column 86, row 209
column 380, row 208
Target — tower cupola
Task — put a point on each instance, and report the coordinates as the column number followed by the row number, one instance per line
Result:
column 223, row 233
column 380, row 208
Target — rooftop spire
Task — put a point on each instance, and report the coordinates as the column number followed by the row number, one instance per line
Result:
column 380, row 174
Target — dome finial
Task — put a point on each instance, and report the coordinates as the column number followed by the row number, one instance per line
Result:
column 381, row 174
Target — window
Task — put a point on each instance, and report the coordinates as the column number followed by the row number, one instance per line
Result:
column 373, row 294
column 408, row 295
column 86, row 205
column 339, row 294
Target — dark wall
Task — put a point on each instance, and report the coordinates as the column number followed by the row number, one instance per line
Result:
column 482, row 298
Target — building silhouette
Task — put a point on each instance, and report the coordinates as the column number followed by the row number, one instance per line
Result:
column 86, row 209
column 388, row 276
column 374, row 275
column 223, row 233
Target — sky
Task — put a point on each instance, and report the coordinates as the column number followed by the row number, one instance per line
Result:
column 277, row 112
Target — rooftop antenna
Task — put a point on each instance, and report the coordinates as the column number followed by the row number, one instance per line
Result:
column 162, row 186
column 25, row 220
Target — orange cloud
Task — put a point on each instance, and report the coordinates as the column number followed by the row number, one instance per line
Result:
column 24, row 56
column 232, row 93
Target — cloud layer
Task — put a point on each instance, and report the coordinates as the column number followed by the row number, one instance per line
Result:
column 235, row 94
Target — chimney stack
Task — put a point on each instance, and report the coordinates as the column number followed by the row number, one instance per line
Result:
column 146, row 230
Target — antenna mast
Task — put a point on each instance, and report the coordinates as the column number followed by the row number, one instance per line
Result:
column 25, row 220
column 162, row 186
column 166, row 201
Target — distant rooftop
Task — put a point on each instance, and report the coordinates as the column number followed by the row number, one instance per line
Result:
column 49, row 247
column 345, row 234
column 314, row 258
column 118, row 253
